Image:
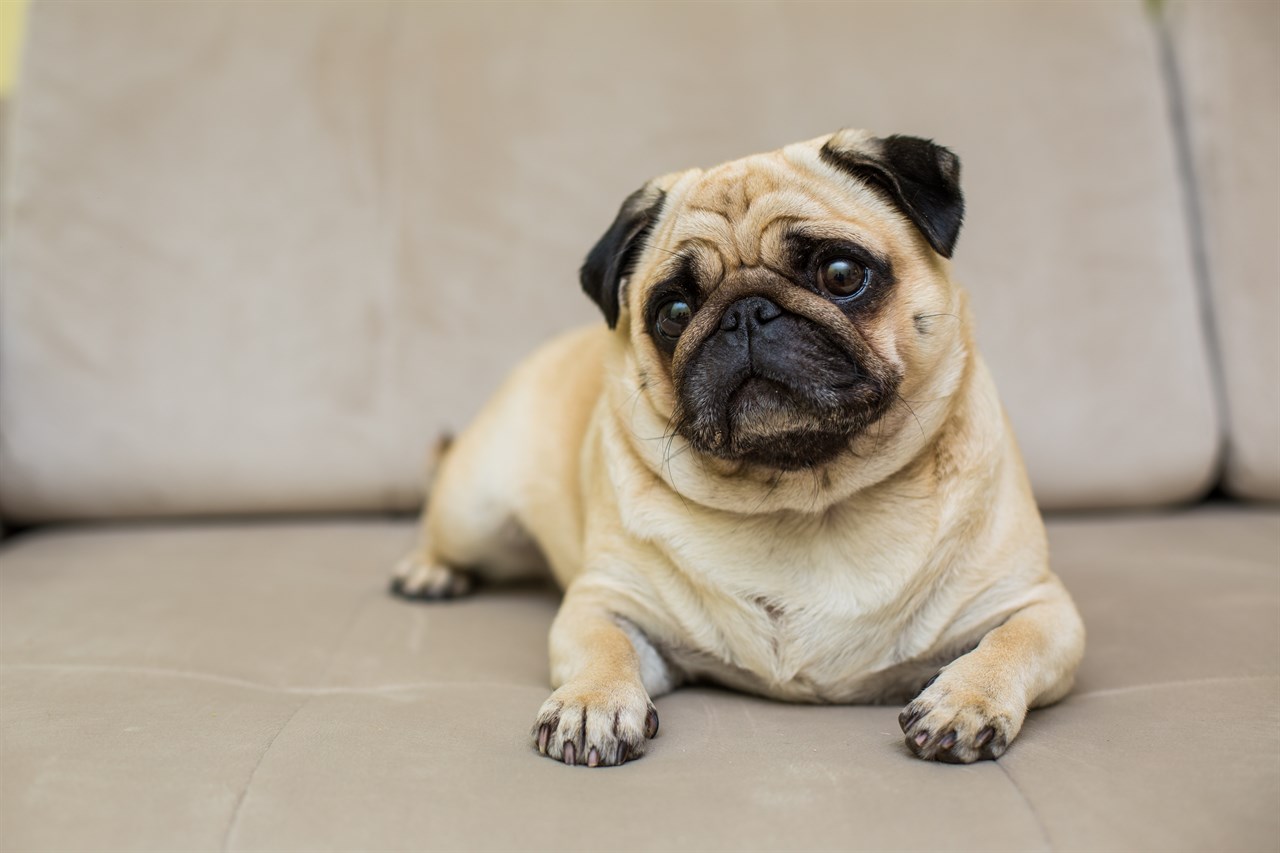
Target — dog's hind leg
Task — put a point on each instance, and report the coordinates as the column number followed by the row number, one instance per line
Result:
column 469, row 529
column 505, row 501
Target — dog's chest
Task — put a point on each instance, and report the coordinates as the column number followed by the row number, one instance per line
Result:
column 808, row 612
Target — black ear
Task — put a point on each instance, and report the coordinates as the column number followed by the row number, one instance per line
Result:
column 923, row 180
column 612, row 259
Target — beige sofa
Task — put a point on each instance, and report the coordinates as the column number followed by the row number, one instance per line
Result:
column 256, row 256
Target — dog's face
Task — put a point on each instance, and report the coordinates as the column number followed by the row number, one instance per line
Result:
column 778, row 308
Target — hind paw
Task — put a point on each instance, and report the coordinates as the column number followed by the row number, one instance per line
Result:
column 414, row 577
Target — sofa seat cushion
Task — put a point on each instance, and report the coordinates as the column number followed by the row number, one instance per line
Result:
column 253, row 686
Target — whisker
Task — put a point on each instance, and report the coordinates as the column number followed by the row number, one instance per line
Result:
column 913, row 413
column 879, row 432
column 634, row 395
column 672, row 430
column 681, row 452
column 773, row 485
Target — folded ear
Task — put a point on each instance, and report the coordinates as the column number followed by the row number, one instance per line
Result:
column 921, row 178
column 612, row 259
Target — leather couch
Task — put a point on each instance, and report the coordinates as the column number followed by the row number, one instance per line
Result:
column 256, row 257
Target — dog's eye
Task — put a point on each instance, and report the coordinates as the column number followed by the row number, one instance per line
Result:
column 843, row 277
column 672, row 319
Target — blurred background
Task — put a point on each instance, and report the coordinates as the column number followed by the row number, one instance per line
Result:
column 257, row 255
column 12, row 25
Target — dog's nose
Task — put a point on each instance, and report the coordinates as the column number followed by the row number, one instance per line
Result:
column 749, row 313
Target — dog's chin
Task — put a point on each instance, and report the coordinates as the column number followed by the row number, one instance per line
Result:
column 769, row 424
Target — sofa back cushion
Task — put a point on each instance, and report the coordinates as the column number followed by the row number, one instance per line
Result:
column 1228, row 54
column 258, row 255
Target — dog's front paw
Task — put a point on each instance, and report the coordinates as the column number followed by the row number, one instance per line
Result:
column 958, row 721
column 416, row 577
column 595, row 724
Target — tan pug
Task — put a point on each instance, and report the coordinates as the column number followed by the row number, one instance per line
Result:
column 782, row 467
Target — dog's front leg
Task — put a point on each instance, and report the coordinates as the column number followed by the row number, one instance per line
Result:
column 600, row 713
column 975, row 705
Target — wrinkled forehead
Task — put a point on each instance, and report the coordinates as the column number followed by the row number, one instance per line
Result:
column 739, row 214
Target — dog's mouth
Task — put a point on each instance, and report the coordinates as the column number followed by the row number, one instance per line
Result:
column 767, row 427
column 779, row 421
column 772, row 425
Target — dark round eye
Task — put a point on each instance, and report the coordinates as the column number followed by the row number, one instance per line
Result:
column 672, row 319
column 843, row 277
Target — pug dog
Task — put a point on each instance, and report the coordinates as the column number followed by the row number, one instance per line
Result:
column 780, row 465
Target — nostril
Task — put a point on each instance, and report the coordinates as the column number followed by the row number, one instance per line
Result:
column 766, row 311
column 751, row 312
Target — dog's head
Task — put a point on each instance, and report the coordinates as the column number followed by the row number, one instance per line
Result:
column 778, row 307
